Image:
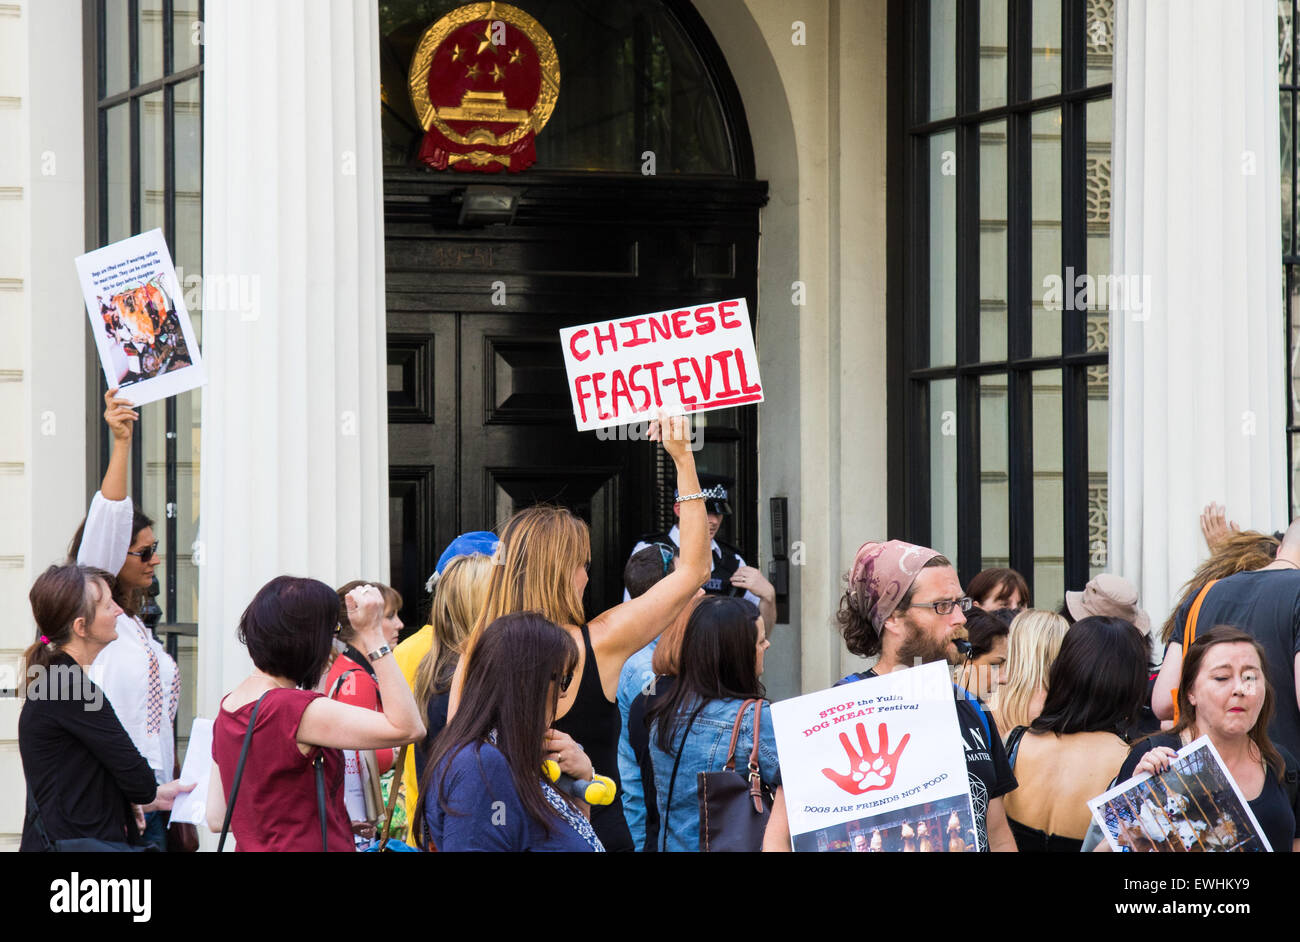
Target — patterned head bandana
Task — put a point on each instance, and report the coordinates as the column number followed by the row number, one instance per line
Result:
column 882, row 574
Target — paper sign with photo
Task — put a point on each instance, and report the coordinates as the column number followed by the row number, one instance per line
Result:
column 141, row 326
column 877, row 765
column 693, row 359
column 1194, row 805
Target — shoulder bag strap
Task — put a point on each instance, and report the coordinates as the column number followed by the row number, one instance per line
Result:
column 755, row 779
column 319, row 763
column 735, row 734
column 672, row 781
column 239, row 772
column 338, row 681
column 1189, row 633
column 392, row 799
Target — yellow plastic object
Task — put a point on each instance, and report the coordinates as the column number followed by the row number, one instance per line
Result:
column 600, row 791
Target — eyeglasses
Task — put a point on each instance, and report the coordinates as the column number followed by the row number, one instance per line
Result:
column 145, row 554
column 944, row 606
column 666, row 555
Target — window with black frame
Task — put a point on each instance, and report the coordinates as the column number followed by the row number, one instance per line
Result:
column 147, row 158
column 1289, row 86
column 999, row 256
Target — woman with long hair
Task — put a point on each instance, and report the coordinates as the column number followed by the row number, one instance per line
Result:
column 690, row 726
column 541, row 566
column 458, row 597
column 83, row 772
column 483, row 788
column 1074, row 747
column 1224, row 693
column 1033, row 642
column 288, row 629
column 137, row 675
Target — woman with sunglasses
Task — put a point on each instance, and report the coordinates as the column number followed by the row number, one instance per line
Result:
column 135, row 672
column 483, row 788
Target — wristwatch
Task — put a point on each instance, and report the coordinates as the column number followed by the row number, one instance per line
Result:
column 379, row 652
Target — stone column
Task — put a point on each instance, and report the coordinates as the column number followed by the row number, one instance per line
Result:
column 1197, row 410
column 294, row 447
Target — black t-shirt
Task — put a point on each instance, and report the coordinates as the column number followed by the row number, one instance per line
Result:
column 986, row 758
column 1265, row 605
column 1277, row 815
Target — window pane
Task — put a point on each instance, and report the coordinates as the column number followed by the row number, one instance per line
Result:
column 1293, row 306
column 1046, row 57
column 116, row 167
column 188, row 412
column 1101, row 40
column 1049, row 502
column 993, row 53
column 1285, row 43
column 153, row 499
column 116, row 54
column 943, row 58
column 1098, row 457
column 993, row 241
column 995, row 541
column 1045, row 153
column 187, row 650
column 152, row 161
column 943, row 248
column 1286, row 131
column 943, row 467
column 187, row 240
column 185, row 34
column 150, row 20
column 1295, row 475
column 1097, row 194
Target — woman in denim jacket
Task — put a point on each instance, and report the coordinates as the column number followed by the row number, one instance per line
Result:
column 721, row 660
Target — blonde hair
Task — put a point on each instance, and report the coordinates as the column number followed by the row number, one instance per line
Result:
column 1032, row 645
column 533, row 568
column 457, row 599
column 1238, row 552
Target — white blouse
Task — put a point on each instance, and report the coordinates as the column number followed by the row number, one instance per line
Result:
column 137, row 675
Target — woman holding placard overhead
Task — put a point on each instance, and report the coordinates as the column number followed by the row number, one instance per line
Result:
column 1224, row 693
column 541, row 567
column 137, row 675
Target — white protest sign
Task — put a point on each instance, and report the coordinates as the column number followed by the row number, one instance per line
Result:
column 876, row 765
column 191, row 807
column 138, row 317
column 691, row 359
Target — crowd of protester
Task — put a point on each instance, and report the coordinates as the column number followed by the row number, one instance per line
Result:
column 511, row 721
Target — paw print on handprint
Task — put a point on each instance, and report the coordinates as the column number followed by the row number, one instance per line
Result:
column 869, row 769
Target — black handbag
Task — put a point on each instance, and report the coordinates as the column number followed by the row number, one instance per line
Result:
column 734, row 808
column 318, row 764
column 80, row 845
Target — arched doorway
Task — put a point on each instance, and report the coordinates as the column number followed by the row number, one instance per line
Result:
column 479, row 416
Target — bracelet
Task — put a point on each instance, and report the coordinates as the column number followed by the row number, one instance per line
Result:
column 700, row 496
column 379, row 652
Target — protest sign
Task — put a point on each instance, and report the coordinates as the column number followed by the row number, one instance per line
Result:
column 687, row 360
column 191, row 807
column 877, row 765
column 138, row 317
column 1194, row 805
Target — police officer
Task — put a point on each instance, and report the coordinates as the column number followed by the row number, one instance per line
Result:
column 730, row 575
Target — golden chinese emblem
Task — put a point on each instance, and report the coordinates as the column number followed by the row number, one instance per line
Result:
column 484, row 80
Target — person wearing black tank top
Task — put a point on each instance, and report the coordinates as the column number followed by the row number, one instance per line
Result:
column 541, row 566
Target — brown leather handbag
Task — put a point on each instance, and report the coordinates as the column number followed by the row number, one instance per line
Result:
column 734, row 806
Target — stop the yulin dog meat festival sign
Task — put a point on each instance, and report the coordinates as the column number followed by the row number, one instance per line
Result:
column 876, row 765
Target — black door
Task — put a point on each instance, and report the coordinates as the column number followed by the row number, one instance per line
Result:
column 480, row 421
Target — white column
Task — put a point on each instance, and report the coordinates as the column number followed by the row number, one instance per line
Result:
column 1197, row 383
column 294, row 450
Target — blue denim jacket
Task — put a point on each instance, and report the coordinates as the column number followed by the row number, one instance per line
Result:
column 705, row 750
column 632, row 682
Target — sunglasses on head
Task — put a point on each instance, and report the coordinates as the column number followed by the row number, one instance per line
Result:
column 666, row 554
column 145, row 554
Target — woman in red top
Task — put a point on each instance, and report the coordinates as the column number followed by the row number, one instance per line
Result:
column 288, row 629
column 351, row 679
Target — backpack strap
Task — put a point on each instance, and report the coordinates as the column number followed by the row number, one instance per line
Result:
column 1013, row 744
column 1189, row 633
column 239, row 772
column 979, row 709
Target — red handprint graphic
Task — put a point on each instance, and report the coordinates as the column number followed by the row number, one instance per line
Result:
column 868, row 769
